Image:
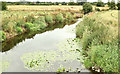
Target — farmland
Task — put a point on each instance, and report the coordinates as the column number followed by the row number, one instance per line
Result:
column 46, row 8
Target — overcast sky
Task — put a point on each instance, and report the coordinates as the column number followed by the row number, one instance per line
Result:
column 55, row 0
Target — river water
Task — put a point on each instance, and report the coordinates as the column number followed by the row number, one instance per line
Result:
column 47, row 43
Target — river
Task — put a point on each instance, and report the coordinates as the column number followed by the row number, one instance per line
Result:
column 55, row 42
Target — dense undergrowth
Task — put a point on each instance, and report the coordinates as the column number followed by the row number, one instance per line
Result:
column 99, row 37
column 17, row 22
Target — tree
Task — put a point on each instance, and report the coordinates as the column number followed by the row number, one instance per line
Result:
column 118, row 5
column 87, row 7
column 100, row 3
column 4, row 6
column 112, row 5
column 108, row 3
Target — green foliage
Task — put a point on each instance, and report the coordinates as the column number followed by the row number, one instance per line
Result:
column 69, row 16
column 118, row 5
column 97, row 9
column 19, row 22
column 30, row 18
column 35, row 27
column 99, row 43
column 112, row 5
column 30, row 26
column 59, row 18
column 4, row 6
column 49, row 19
column 19, row 30
column 2, row 36
column 100, row 4
column 87, row 7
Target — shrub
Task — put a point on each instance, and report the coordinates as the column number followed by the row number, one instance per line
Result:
column 4, row 6
column 2, row 36
column 30, row 18
column 35, row 27
column 29, row 26
column 97, row 9
column 59, row 18
column 42, row 25
column 100, row 4
column 19, row 30
column 87, row 7
column 49, row 19
column 69, row 16
column 20, row 22
column 39, row 19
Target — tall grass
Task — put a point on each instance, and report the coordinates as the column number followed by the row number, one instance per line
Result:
column 17, row 22
column 99, row 42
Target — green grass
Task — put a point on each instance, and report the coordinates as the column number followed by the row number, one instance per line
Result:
column 99, row 37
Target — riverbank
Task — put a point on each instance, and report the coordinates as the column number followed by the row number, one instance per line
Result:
column 19, row 22
column 99, row 37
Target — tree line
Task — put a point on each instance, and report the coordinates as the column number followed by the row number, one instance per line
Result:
column 111, row 4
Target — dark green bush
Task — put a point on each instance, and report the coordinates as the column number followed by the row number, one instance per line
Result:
column 87, row 7
column 100, row 4
column 97, row 9
column 4, row 6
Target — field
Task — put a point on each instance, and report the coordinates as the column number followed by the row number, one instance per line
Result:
column 99, row 36
column 45, row 8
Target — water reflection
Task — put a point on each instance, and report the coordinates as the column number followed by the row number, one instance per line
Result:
column 10, row 43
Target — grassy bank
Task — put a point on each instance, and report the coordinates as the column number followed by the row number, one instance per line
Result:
column 99, row 37
column 17, row 22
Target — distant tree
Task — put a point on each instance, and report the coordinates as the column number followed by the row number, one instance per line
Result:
column 71, row 3
column 108, row 3
column 118, row 5
column 4, row 6
column 112, row 5
column 37, row 2
column 100, row 3
column 87, row 7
